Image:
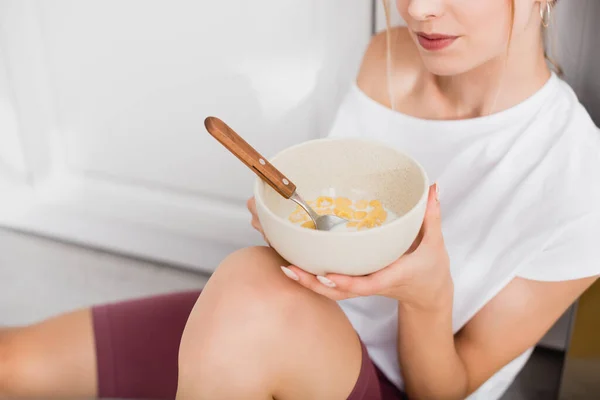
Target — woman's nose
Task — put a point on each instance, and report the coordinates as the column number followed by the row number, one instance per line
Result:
column 422, row 10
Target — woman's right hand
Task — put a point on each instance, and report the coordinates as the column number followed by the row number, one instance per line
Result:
column 251, row 204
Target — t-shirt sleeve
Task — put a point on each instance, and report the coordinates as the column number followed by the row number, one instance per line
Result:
column 572, row 253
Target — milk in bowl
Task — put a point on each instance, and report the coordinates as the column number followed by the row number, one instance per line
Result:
column 361, row 213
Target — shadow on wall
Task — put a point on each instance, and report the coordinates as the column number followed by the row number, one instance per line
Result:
column 574, row 42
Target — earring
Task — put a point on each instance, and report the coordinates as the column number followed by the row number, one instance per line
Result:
column 545, row 13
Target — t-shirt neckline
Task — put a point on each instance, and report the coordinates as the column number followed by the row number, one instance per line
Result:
column 510, row 115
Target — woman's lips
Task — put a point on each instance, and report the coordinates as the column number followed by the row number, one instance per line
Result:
column 434, row 41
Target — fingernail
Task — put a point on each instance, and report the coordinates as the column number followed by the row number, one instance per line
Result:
column 437, row 191
column 326, row 281
column 289, row 273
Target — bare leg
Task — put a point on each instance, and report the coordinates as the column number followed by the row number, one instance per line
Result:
column 53, row 359
column 138, row 341
column 255, row 334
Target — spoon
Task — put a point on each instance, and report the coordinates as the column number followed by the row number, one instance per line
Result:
column 266, row 171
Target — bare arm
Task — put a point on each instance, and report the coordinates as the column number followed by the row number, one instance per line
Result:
column 437, row 365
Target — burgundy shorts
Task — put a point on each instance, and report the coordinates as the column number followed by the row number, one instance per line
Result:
column 137, row 346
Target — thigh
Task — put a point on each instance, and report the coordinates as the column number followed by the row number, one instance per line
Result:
column 52, row 359
column 122, row 350
column 137, row 345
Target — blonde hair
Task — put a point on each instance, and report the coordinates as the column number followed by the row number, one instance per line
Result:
column 387, row 11
column 388, row 55
column 554, row 65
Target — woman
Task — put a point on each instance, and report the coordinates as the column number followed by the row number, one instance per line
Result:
column 466, row 90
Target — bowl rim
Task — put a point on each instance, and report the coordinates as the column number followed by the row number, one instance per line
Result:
column 424, row 196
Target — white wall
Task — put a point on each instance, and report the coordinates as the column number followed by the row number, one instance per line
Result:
column 111, row 96
column 12, row 160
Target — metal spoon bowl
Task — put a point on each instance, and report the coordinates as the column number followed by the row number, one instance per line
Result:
column 322, row 222
column 266, row 171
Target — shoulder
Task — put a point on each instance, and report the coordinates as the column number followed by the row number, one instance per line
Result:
column 561, row 144
column 568, row 199
column 577, row 146
column 405, row 62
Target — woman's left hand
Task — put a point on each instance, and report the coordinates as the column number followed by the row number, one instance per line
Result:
column 420, row 278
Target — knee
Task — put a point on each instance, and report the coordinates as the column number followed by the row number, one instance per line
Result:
column 253, row 274
column 249, row 291
column 253, row 279
column 250, row 261
column 247, row 322
column 247, row 309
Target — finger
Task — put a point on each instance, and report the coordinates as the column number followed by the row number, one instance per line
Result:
column 368, row 285
column 251, row 204
column 266, row 240
column 311, row 282
column 256, row 225
column 432, row 224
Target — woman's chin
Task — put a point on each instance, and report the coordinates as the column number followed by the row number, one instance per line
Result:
column 444, row 66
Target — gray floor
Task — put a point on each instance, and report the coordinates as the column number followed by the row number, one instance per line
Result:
column 40, row 278
column 540, row 378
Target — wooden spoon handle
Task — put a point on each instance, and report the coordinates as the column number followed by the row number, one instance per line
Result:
column 249, row 156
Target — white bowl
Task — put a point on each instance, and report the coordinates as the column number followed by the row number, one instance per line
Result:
column 351, row 168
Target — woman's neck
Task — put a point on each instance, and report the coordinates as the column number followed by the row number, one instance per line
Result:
column 494, row 86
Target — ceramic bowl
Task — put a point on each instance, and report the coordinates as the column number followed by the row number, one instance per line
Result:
column 353, row 168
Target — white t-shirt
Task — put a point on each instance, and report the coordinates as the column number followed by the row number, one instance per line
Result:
column 520, row 196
